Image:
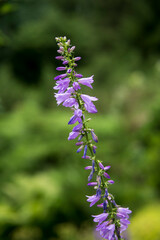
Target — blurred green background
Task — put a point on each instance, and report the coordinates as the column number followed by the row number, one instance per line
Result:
column 43, row 181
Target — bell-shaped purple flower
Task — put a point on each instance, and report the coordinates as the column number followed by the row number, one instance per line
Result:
column 61, row 97
column 95, row 138
column 62, row 85
column 76, row 86
column 59, row 57
column 89, row 106
column 61, row 68
column 85, row 151
column 92, row 199
column 65, row 62
column 107, row 232
column 80, row 148
column 92, row 184
column 60, row 76
column 100, row 218
column 73, row 135
column 78, row 75
column 76, row 117
column 77, row 58
column 70, row 102
column 86, row 81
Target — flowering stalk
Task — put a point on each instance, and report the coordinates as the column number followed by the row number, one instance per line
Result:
column 114, row 219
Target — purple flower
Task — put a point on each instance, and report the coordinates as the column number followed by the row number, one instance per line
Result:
column 61, row 68
column 60, row 76
column 106, row 193
column 104, row 206
column 78, row 75
column 77, row 58
column 94, row 149
column 124, row 224
column 61, row 97
column 85, row 151
column 76, row 86
column 70, row 102
column 95, row 138
column 92, row 170
column 98, row 192
column 92, row 199
column 106, row 175
column 75, row 132
column 92, row 184
column 107, row 231
column 86, row 81
column 80, row 148
column 69, row 70
column 80, row 137
column 62, row 85
column 76, row 117
column 100, row 218
column 59, row 57
column 78, row 127
column 110, row 181
column 72, row 48
column 123, row 212
column 90, row 176
column 73, row 135
column 89, row 106
column 65, row 62
column 79, row 143
column 88, row 167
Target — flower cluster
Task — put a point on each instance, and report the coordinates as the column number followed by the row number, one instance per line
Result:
column 114, row 219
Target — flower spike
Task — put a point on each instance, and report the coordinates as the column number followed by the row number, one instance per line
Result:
column 114, row 219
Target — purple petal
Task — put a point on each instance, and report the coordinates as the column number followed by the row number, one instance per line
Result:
column 72, row 120
column 61, row 68
column 88, row 167
column 87, row 98
column 86, row 81
column 101, row 165
column 60, row 76
column 80, row 149
column 69, row 102
column 107, row 167
column 106, row 175
column 95, row 138
column 77, row 58
column 110, row 181
column 61, row 97
column 78, row 127
column 76, row 86
column 85, row 151
column 92, row 184
column 73, row 135
column 78, row 113
column 65, row 62
column 59, row 57
column 79, row 143
column 78, row 75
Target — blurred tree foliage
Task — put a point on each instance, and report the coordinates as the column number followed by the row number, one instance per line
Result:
column 42, row 179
